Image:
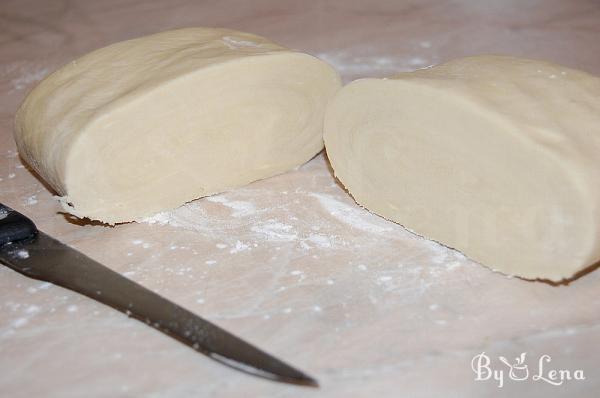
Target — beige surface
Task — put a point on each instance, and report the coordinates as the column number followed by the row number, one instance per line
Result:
column 362, row 305
column 171, row 117
column 495, row 156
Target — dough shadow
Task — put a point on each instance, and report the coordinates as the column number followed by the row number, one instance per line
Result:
column 332, row 172
column 567, row 281
column 71, row 219
column 82, row 222
column 37, row 176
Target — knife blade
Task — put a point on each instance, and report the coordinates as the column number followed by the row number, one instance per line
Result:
column 33, row 253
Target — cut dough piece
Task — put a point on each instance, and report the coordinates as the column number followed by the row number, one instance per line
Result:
column 494, row 156
column 148, row 124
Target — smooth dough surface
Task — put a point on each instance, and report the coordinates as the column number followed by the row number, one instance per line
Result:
column 148, row 124
column 495, row 156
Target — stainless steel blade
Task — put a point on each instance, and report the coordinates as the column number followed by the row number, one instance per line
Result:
column 49, row 260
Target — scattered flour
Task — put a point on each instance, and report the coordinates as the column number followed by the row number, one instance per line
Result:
column 32, row 309
column 44, row 285
column 190, row 216
column 453, row 264
column 275, row 231
column 10, row 154
column 306, row 224
column 353, row 215
column 239, row 247
column 19, row 322
column 319, row 240
column 352, row 66
column 31, row 200
column 240, row 208
column 28, row 78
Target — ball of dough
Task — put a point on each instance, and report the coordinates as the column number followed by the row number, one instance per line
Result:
column 495, row 156
column 148, row 124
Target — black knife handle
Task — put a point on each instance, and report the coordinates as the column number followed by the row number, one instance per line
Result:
column 14, row 226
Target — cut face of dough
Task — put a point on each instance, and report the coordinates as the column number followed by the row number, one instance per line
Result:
column 494, row 156
column 148, row 124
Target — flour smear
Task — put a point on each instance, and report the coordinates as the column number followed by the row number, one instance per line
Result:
column 318, row 217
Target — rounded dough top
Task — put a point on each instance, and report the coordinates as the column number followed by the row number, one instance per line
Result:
column 102, row 79
column 145, row 125
column 495, row 156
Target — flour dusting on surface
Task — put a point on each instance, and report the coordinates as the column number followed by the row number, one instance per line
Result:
column 31, row 200
column 240, row 208
column 352, row 66
column 239, row 247
column 352, row 215
column 273, row 230
column 28, row 77
column 296, row 231
column 319, row 221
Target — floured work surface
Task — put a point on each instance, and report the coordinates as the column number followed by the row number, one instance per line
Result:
column 291, row 264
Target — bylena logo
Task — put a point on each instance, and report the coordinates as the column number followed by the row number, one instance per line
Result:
column 519, row 370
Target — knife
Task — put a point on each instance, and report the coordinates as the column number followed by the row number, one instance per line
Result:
column 33, row 253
